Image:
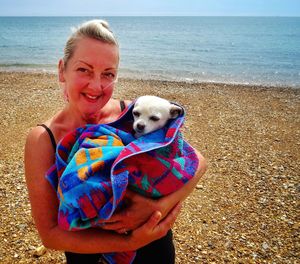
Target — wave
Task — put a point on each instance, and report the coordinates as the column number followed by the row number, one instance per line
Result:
column 28, row 67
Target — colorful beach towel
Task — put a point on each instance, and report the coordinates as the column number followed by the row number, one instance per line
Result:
column 95, row 164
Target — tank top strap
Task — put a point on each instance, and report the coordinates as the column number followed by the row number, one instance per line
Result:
column 122, row 105
column 50, row 133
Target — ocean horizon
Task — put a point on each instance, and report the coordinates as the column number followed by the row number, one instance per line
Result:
column 238, row 50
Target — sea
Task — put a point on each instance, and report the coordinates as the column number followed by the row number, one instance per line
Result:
column 240, row 50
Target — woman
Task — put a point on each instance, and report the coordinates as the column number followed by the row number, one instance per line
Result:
column 88, row 73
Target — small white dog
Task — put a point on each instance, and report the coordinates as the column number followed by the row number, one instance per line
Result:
column 151, row 113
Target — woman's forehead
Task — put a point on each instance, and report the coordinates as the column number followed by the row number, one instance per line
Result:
column 94, row 51
column 88, row 45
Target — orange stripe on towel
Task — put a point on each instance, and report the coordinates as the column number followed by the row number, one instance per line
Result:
column 80, row 157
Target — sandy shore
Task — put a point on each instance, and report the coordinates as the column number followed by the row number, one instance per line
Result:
column 245, row 209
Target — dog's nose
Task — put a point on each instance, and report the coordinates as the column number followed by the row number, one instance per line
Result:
column 140, row 127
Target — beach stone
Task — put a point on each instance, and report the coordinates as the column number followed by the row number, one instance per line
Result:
column 39, row 251
column 265, row 246
column 199, row 187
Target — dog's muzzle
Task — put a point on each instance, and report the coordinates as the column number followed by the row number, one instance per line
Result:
column 140, row 127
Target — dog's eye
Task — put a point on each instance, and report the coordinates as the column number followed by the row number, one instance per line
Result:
column 154, row 118
column 136, row 113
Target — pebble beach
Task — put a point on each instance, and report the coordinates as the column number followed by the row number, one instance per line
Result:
column 244, row 210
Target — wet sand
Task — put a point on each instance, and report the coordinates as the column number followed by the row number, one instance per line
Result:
column 244, row 210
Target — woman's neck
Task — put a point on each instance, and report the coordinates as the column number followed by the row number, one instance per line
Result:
column 68, row 119
column 75, row 119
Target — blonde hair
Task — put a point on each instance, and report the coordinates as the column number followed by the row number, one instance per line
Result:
column 95, row 29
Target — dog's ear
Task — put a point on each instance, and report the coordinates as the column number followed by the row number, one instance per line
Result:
column 175, row 111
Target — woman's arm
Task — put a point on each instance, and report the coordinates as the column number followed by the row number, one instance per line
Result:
column 140, row 208
column 44, row 205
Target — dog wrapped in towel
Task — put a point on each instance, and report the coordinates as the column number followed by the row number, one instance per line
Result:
column 95, row 164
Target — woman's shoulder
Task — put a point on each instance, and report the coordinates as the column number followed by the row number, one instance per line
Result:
column 38, row 136
column 43, row 136
column 127, row 102
column 118, row 104
column 38, row 148
column 113, row 108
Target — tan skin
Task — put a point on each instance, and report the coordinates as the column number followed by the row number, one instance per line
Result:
column 83, row 80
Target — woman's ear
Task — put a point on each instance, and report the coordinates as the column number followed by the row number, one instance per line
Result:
column 61, row 69
column 61, row 79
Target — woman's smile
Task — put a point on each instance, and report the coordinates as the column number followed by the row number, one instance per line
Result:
column 91, row 98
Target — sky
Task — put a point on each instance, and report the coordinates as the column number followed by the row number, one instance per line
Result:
column 150, row 8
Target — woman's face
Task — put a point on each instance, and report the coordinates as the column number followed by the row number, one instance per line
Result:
column 90, row 75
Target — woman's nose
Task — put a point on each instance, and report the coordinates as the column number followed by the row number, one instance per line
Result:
column 95, row 83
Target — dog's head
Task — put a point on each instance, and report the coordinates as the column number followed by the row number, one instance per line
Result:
column 151, row 113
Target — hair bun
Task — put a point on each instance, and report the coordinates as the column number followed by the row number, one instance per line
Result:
column 101, row 22
column 104, row 24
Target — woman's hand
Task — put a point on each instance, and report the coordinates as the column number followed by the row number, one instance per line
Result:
column 153, row 229
column 138, row 209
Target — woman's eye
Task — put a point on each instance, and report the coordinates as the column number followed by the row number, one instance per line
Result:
column 154, row 118
column 83, row 70
column 109, row 75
